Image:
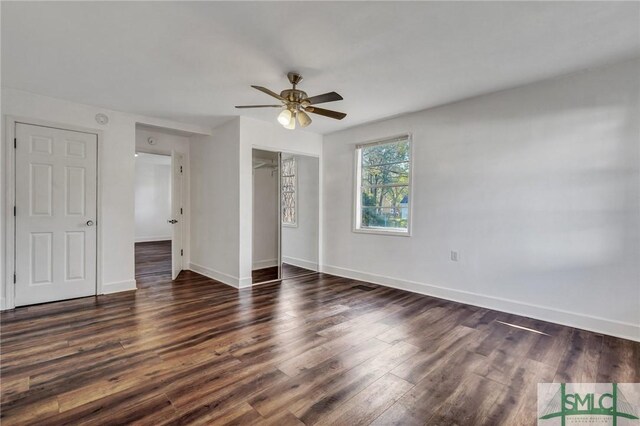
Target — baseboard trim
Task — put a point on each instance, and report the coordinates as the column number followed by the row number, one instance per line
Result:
column 571, row 319
column 116, row 287
column 300, row 263
column 245, row 282
column 152, row 239
column 268, row 263
column 215, row 275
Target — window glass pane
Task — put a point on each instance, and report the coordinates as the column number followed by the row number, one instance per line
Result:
column 385, row 217
column 288, row 166
column 288, row 207
column 288, row 191
column 386, row 174
column 386, row 153
column 288, row 215
column 384, row 186
column 385, row 197
column 288, row 183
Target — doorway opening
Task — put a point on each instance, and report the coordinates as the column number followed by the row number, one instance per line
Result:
column 158, row 200
column 285, row 215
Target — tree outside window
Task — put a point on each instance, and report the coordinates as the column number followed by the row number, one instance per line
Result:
column 383, row 171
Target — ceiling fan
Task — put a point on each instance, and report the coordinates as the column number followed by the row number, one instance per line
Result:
column 296, row 104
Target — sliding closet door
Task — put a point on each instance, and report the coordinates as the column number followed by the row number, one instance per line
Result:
column 300, row 207
column 279, row 215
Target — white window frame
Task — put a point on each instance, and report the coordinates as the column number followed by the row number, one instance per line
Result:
column 357, row 228
column 295, row 193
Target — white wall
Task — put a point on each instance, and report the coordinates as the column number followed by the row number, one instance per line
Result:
column 265, row 218
column 116, row 174
column 300, row 242
column 152, row 199
column 537, row 188
column 215, row 203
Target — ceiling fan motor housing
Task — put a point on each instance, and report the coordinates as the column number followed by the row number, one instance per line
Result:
column 293, row 95
column 294, row 78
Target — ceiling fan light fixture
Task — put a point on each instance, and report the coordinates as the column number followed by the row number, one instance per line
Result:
column 303, row 119
column 296, row 104
column 291, row 125
column 285, row 117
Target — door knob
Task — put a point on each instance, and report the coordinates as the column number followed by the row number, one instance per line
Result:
column 172, row 221
column 89, row 223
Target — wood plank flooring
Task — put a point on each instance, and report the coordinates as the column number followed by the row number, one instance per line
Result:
column 316, row 350
column 264, row 274
column 271, row 273
column 153, row 258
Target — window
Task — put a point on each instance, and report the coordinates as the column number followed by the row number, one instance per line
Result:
column 289, row 188
column 383, row 180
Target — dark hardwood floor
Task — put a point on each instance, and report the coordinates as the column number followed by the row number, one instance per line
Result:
column 312, row 350
column 271, row 273
column 153, row 259
column 264, row 274
column 290, row 271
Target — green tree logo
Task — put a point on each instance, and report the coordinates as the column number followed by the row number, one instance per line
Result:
column 612, row 404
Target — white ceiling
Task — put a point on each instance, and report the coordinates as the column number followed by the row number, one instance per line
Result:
column 193, row 61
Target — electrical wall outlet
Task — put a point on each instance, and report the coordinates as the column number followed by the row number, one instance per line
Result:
column 454, row 256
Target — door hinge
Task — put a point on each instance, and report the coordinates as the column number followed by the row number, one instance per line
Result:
column 14, row 278
column 181, row 252
column 180, row 169
column 180, row 210
column 15, row 143
column 14, row 210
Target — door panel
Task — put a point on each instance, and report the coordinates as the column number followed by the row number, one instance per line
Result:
column 41, row 189
column 41, row 257
column 55, row 214
column 75, row 254
column 75, row 190
column 176, row 213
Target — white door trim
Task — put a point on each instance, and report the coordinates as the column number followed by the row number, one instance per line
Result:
column 177, row 229
column 8, row 290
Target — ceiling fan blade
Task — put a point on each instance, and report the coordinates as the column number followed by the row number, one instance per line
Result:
column 325, row 97
column 258, row 106
column 269, row 92
column 326, row 112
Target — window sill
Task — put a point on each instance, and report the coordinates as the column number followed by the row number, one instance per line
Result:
column 391, row 232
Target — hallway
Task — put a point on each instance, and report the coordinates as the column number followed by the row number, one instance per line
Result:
column 153, row 261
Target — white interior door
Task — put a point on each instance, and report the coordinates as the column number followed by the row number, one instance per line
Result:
column 56, row 176
column 177, row 214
